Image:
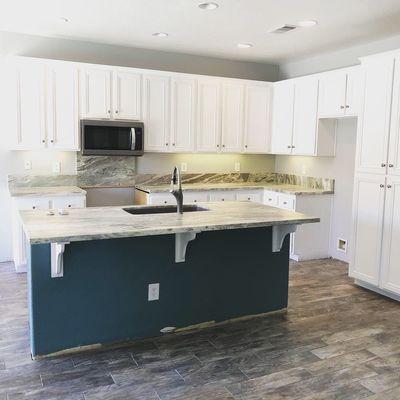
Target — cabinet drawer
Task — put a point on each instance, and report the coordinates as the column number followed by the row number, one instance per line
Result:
column 287, row 202
column 271, row 198
column 159, row 199
column 32, row 204
column 250, row 196
column 222, row 196
column 68, row 202
column 194, row 197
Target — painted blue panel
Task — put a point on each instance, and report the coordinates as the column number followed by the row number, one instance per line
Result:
column 102, row 297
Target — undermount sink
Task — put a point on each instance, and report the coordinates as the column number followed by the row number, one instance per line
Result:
column 163, row 209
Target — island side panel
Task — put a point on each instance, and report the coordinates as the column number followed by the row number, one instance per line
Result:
column 103, row 295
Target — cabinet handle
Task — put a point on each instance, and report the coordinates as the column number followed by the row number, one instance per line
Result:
column 389, row 186
column 390, row 165
column 381, row 185
column 383, row 165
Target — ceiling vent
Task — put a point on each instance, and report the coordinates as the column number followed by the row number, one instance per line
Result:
column 284, row 29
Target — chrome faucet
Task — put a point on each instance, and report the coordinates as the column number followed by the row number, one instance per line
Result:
column 176, row 189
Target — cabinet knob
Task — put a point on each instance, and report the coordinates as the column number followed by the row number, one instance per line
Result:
column 389, row 186
column 341, row 107
column 245, row 146
column 347, row 106
column 52, row 141
column 109, row 111
column 173, row 144
column 165, row 202
column 217, row 145
column 116, row 111
column 43, row 141
column 34, row 207
column 289, row 147
column 223, row 145
column 166, row 144
column 69, row 205
column 383, row 165
column 381, row 185
column 248, row 198
column 293, row 147
column 390, row 165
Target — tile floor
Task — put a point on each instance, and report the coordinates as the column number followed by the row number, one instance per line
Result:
column 336, row 341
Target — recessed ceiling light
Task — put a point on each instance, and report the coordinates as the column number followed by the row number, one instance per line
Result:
column 160, row 34
column 307, row 23
column 244, row 45
column 208, row 6
column 63, row 19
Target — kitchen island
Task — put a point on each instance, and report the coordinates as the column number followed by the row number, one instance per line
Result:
column 89, row 271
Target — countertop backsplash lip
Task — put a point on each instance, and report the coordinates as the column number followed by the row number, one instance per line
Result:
column 298, row 182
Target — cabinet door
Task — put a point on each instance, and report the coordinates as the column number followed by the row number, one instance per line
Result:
column 156, row 113
column 63, row 106
column 194, row 197
column 353, row 92
column 257, row 120
column 287, row 201
column 255, row 196
column 183, row 114
column 30, row 133
column 394, row 140
column 271, row 198
column 332, row 94
column 208, row 116
column 390, row 279
column 305, row 116
column 232, row 117
column 126, row 95
column 374, row 121
column 368, row 208
column 224, row 195
column 96, row 93
column 282, row 117
column 160, row 199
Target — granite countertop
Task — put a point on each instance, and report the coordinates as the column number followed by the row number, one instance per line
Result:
column 46, row 191
column 277, row 187
column 113, row 222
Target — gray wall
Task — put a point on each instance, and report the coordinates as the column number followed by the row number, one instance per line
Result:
column 336, row 59
column 80, row 51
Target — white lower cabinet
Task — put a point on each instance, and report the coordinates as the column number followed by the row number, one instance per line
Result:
column 19, row 240
column 376, row 233
column 225, row 195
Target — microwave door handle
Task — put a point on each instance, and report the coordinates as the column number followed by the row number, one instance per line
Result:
column 133, row 139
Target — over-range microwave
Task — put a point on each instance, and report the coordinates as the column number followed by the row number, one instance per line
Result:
column 112, row 138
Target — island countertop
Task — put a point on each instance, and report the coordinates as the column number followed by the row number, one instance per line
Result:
column 95, row 223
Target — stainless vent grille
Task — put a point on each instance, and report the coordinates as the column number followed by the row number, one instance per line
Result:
column 284, row 29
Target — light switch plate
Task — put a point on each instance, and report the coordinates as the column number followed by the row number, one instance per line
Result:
column 154, row 291
column 184, row 167
column 56, row 167
column 28, row 164
column 237, row 166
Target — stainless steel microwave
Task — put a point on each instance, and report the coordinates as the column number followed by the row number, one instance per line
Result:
column 112, row 138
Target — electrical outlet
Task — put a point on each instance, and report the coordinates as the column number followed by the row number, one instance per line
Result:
column 56, row 167
column 237, row 166
column 154, row 291
column 28, row 164
column 184, row 167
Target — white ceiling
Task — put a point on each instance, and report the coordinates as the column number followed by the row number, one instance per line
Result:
column 215, row 33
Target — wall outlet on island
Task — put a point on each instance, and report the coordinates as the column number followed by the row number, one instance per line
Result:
column 154, row 291
column 184, row 167
column 28, row 164
column 237, row 166
column 56, row 167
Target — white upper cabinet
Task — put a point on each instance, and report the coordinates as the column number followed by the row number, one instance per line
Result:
column 126, row 95
column 368, row 210
column 374, row 121
column 23, row 105
column 63, row 106
column 282, row 117
column 208, row 115
column 156, row 109
column 332, row 94
column 257, row 118
column 393, row 160
column 339, row 93
column 96, row 93
column 232, row 117
column 183, row 114
column 305, row 116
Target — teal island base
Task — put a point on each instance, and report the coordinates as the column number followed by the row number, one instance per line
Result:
column 102, row 296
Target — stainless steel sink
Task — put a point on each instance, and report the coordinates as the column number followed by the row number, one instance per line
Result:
column 163, row 209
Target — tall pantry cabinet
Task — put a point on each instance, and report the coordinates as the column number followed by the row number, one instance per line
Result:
column 376, row 200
